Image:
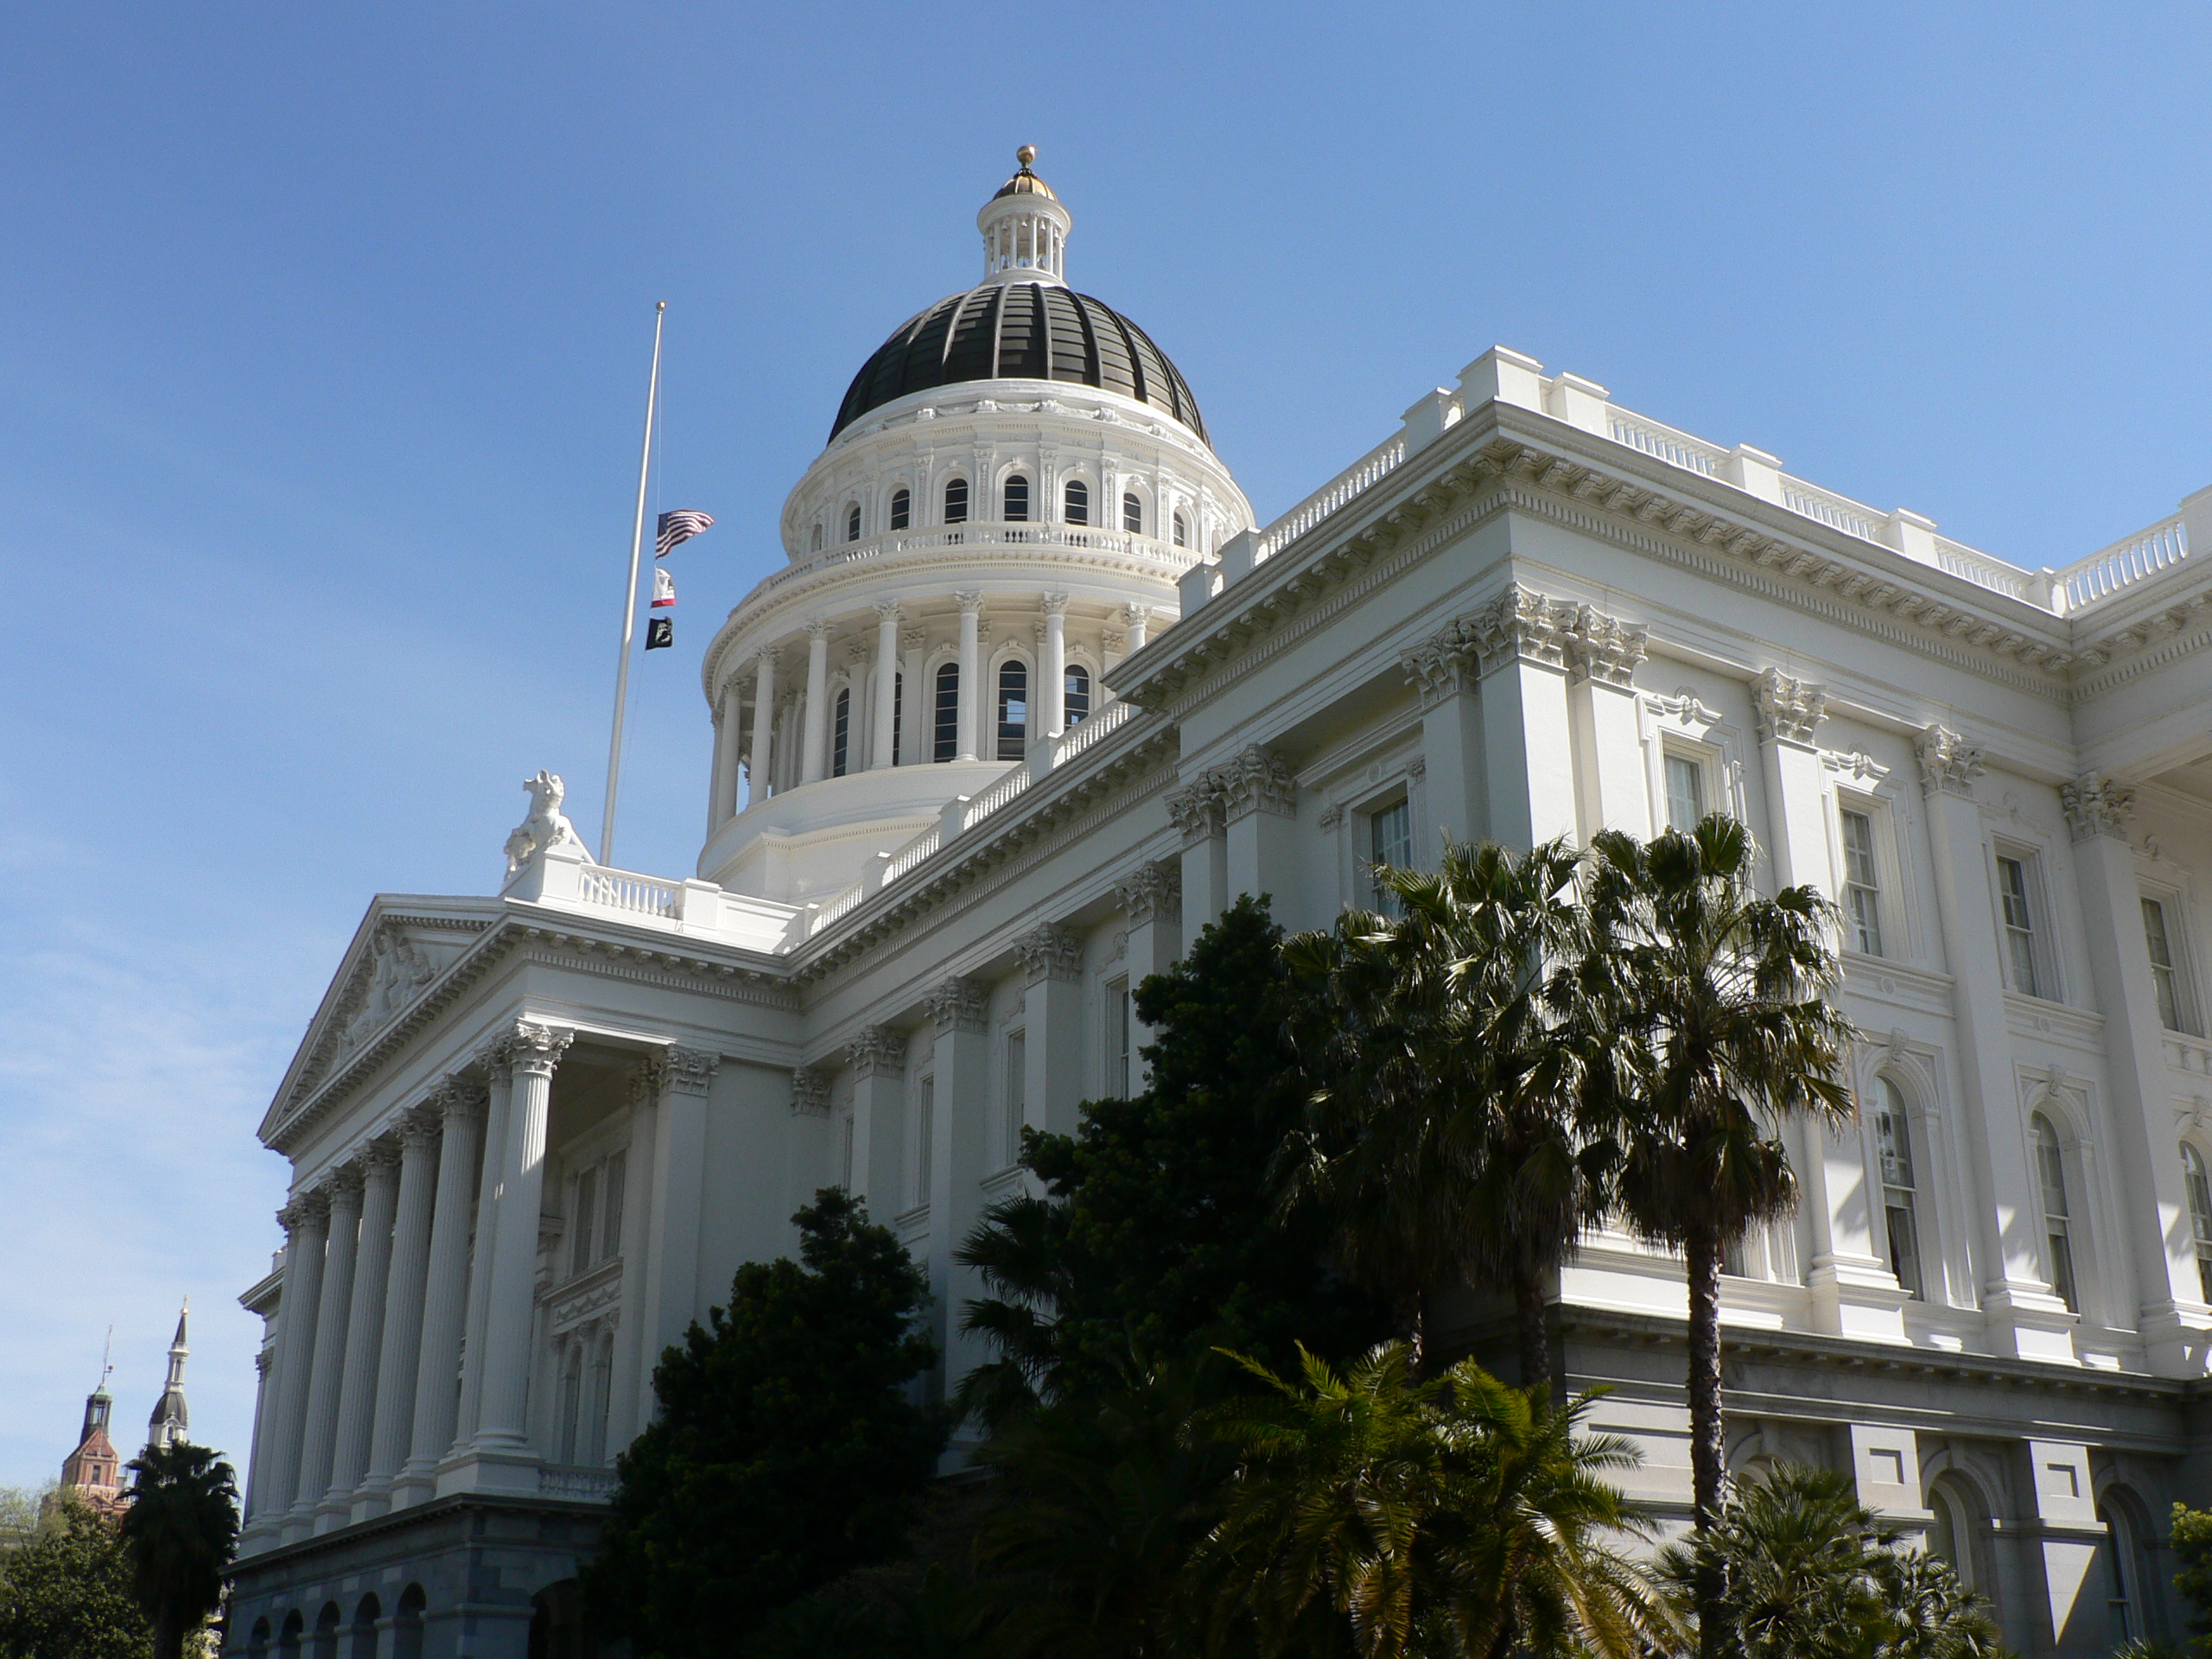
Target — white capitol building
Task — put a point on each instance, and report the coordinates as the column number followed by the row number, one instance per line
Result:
column 1032, row 700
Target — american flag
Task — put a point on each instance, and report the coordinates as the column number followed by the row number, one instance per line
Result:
column 677, row 527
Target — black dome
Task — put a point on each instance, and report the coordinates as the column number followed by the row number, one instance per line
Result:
column 1020, row 330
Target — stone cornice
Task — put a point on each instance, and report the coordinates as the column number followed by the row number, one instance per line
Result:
column 1512, row 458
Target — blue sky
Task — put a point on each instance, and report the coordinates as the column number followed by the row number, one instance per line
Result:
column 323, row 339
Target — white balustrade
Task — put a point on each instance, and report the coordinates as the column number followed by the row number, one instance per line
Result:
column 1361, row 475
column 2128, row 561
column 575, row 1481
column 840, row 904
column 1080, row 736
column 1837, row 512
column 913, row 852
column 1657, row 439
column 625, row 890
column 1983, row 571
column 994, row 798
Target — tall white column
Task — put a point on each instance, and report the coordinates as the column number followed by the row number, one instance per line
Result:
column 1140, row 617
column 814, row 760
column 1608, row 732
column 327, row 1376
column 400, row 1353
column 1054, row 694
column 357, row 1393
column 257, row 1472
column 2025, row 1319
column 1152, row 904
column 877, row 1057
column 886, row 679
column 679, row 1164
column 971, row 674
column 959, row 1155
column 918, row 744
column 306, row 1230
column 729, row 752
column 1445, row 670
column 1259, row 810
column 634, row 1361
column 1528, row 795
column 533, row 1052
column 484, row 1227
column 2173, row 1321
column 445, row 1290
column 764, row 721
column 1051, row 970
column 1196, row 810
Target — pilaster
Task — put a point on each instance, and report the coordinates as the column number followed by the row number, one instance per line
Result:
column 1521, row 637
column 958, row 1010
column 1051, row 970
column 814, row 755
column 679, row 1159
column 877, row 1057
column 629, row 1392
column 1151, row 901
column 1260, row 811
column 1197, row 812
column 1603, row 654
column 1445, row 670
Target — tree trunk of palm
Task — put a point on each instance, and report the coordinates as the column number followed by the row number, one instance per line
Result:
column 1708, row 1455
column 168, row 1630
column 1534, row 1321
column 1407, row 1314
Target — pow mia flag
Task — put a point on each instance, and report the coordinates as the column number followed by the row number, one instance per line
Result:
column 660, row 632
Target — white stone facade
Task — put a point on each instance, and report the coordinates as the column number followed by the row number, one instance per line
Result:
column 534, row 1134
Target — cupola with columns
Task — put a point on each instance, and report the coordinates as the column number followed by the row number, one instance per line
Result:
column 1015, row 482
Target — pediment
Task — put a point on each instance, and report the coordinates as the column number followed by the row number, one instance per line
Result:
column 401, row 948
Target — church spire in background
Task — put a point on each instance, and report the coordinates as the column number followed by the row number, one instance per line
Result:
column 171, row 1421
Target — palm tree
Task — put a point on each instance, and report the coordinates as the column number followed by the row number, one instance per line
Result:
column 1445, row 1134
column 179, row 1533
column 1455, row 1516
column 1711, row 1004
column 1806, row 1572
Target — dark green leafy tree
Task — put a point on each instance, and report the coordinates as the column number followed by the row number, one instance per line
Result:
column 1803, row 1571
column 1443, row 1139
column 1454, row 1518
column 1100, row 1503
column 66, row 1593
column 2192, row 1544
column 788, row 1449
column 179, row 1533
column 1711, row 1001
column 1158, row 1236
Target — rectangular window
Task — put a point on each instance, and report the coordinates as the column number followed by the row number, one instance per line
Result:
column 2163, row 977
column 2020, row 924
column 610, row 1230
column 1117, row 1039
column 579, row 1240
column 845, row 1160
column 2050, row 1165
column 925, row 1133
column 1862, row 888
column 1389, row 841
column 1685, row 792
column 1017, row 1096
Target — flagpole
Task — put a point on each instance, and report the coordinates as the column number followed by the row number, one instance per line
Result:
column 630, row 601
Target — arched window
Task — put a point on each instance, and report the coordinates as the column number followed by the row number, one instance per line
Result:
column 1078, row 692
column 840, row 742
column 289, row 1643
column 853, row 521
column 365, row 1628
column 1182, row 530
column 407, row 1626
column 1014, row 711
column 1074, row 502
column 257, row 1645
column 572, row 1388
column 818, row 536
column 2194, row 1177
column 1016, row 495
column 956, row 501
column 1900, row 1192
column 2122, row 1573
column 326, row 1631
column 1133, row 513
column 902, row 509
column 2050, row 1168
column 947, row 735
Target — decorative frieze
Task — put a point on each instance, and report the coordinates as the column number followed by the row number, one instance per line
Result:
column 1788, row 709
column 957, row 1005
column 1154, row 894
column 877, row 1050
column 2097, row 806
column 690, row 1070
column 1050, row 953
column 810, row 1092
column 1949, row 764
column 1605, row 649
